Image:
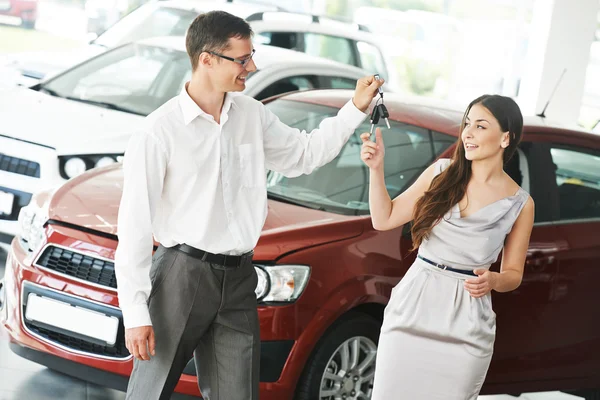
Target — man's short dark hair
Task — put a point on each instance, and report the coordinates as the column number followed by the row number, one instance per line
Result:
column 211, row 31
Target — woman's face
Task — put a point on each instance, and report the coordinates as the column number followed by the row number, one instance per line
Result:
column 482, row 137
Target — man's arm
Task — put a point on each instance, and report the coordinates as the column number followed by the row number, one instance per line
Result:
column 144, row 170
column 293, row 152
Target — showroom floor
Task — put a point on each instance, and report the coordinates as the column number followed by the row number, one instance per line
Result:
column 22, row 379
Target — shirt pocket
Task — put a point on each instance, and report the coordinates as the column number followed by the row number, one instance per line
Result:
column 251, row 165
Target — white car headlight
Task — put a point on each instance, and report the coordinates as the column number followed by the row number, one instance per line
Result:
column 281, row 283
column 74, row 166
column 104, row 161
column 31, row 221
column 25, row 219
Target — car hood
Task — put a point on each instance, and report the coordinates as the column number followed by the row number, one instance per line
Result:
column 68, row 126
column 92, row 200
column 44, row 64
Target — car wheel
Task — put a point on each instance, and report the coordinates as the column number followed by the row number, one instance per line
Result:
column 342, row 365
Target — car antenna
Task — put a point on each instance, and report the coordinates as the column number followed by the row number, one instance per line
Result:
column 543, row 113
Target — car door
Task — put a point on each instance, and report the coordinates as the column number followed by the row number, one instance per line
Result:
column 525, row 324
column 577, row 169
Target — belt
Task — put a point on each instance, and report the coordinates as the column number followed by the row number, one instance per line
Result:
column 220, row 259
column 447, row 268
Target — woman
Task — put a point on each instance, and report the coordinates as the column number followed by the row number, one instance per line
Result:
column 438, row 330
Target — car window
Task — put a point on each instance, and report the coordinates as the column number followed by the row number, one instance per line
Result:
column 341, row 83
column 134, row 78
column 286, row 40
column 145, row 23
column 578, row 182
column 334, row 48
column 371, row 58
column 288, row 84
column 342, row 184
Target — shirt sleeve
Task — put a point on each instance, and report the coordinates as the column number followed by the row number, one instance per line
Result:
column 144, row 169
column 292, row 152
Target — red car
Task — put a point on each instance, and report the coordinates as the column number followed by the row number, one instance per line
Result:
column 325, row 274
column 24, row 9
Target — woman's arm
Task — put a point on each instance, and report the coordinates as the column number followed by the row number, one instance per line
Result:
column 515, row 251
column 385, row 213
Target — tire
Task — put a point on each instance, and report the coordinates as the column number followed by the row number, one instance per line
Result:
column 352, row 329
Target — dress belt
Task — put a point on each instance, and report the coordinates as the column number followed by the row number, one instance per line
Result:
column 447, row 268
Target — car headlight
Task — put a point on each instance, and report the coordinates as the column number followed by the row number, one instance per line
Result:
column 72, row 166
column 31, row 221
column 281, row 283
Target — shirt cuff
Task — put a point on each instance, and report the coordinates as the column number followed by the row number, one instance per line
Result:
column 352, row 115
column 136, row 315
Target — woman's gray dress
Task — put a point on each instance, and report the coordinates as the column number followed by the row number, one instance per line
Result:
column 436, row 340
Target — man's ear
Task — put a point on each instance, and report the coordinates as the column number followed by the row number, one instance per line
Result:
column 205, row 59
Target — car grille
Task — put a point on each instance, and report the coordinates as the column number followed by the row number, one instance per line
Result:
column 19, row 166
column 79, row 266
column 118, row 351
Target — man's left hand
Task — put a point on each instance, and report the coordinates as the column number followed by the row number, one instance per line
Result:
column 366, row 89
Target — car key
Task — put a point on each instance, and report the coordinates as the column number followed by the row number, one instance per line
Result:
column 383, row 113
column 375, row 117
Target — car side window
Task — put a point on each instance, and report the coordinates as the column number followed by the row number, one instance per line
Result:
column 578, row 182
column 339, row 83
column 286, row 40
column 331, row 47
column 289, row 84
column 371, row 58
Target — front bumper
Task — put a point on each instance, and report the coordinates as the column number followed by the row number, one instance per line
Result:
column 277, row 376
column 16, row 178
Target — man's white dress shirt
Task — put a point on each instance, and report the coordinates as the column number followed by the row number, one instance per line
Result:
column 191, row 180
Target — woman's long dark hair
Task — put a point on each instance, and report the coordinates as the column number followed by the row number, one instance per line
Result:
column 449, row 187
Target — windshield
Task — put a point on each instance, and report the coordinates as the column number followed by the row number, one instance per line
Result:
column 133, row 78
column 146, row 22
column 342, row 186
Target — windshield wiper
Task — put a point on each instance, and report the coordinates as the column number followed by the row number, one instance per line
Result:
column 50, row 91
column 105, row 104
column 284, row 199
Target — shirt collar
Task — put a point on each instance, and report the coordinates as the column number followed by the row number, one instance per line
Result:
column 191, row 110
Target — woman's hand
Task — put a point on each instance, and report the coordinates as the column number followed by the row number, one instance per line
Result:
column 372, row 153
column 482, row 285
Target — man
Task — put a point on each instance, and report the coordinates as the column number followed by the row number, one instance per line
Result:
column 195, row 179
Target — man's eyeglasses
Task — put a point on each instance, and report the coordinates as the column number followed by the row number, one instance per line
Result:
column 243, row 62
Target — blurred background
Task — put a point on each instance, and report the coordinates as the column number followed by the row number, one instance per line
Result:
column 446, row 49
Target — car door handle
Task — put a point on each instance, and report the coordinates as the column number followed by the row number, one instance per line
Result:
column 539, row 262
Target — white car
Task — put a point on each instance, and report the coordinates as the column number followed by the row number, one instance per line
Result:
column 344, row 42
column 83, row 117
